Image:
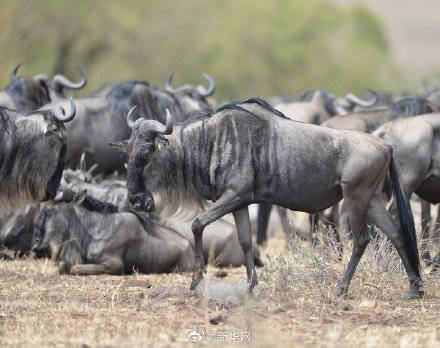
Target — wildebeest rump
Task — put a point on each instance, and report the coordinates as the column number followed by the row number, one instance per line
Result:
column 247, row 152
column 416, row 142
column 87, row 237
column 32, row 154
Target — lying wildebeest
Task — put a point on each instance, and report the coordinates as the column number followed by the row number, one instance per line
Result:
column 16, row 232
column 220, row 238
column 27, row 93
column 32, row 152
column 192, row 98
column 322, row 106
column 247, row 152
column 90, row 237
column 102, row 119
column 415, row 141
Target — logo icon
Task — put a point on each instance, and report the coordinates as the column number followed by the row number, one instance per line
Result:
column 196, row 336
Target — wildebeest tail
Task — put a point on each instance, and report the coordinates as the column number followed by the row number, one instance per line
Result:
column 405, row 216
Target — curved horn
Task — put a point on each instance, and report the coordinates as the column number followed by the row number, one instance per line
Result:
column 82, row 163
column 305, row 94
column 207, row 92
column 14, row 71
column 41, row 78
column 60, row 114
column 168, row 83
column 365, row 103
column 169, row 123
column 132, row 123
column 60, row 81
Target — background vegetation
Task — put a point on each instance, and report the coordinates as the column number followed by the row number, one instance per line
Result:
column 250, row 47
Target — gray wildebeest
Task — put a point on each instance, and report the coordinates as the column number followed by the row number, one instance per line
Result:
column 27, row 93
column 88, row 237
column 32, row 154
column 415, row 141
column 102, row 119
column 192, row 98
column 322, row 106
column 247, row 152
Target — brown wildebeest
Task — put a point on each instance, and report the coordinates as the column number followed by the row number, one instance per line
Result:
column 415, row 141
column 247, row 152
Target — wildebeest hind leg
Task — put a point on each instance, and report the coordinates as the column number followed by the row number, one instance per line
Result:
column 226, row 204
column 241, row 217
column 384, row 221
column 357, row 218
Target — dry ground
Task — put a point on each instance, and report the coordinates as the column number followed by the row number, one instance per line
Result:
column 299, row 306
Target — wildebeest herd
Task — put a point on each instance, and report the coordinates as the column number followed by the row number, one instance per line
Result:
column 119, row 169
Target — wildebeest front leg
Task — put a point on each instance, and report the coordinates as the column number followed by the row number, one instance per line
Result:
column 226, row 204
column 241, row 217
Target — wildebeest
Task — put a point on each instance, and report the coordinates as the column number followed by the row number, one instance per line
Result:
column 415, row 141
column 102, row 119
column 368, row 121
column 192, row 98
column 247, row 152
column 32, row 154
column 88, row 237
column 322, row 106
column 27, row 93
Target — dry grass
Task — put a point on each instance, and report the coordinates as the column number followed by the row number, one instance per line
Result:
column 40, row 307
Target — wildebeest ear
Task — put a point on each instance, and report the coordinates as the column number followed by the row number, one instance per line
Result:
column 160, row 142
column 119, row 145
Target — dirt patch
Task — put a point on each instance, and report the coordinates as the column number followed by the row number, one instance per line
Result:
column 40, row 307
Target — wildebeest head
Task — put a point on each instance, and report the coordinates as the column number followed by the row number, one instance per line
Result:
column 192, row 98
column 147, row 137
column 30, row 93
column 32, row 154
column 338, row 106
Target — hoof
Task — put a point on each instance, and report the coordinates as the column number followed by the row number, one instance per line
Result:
column 196, row 281
column 342, row 291
column 415, row 296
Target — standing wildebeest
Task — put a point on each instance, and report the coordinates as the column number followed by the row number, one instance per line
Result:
column 247, row 152
column 30, row 93
column 91, row 237
column 368, row 121
column 32, row 152
column 102, row 119
column 192, row 98
column 322, row 106
column 415, row 141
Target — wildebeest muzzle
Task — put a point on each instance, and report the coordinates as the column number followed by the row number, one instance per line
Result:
column 142, row 201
